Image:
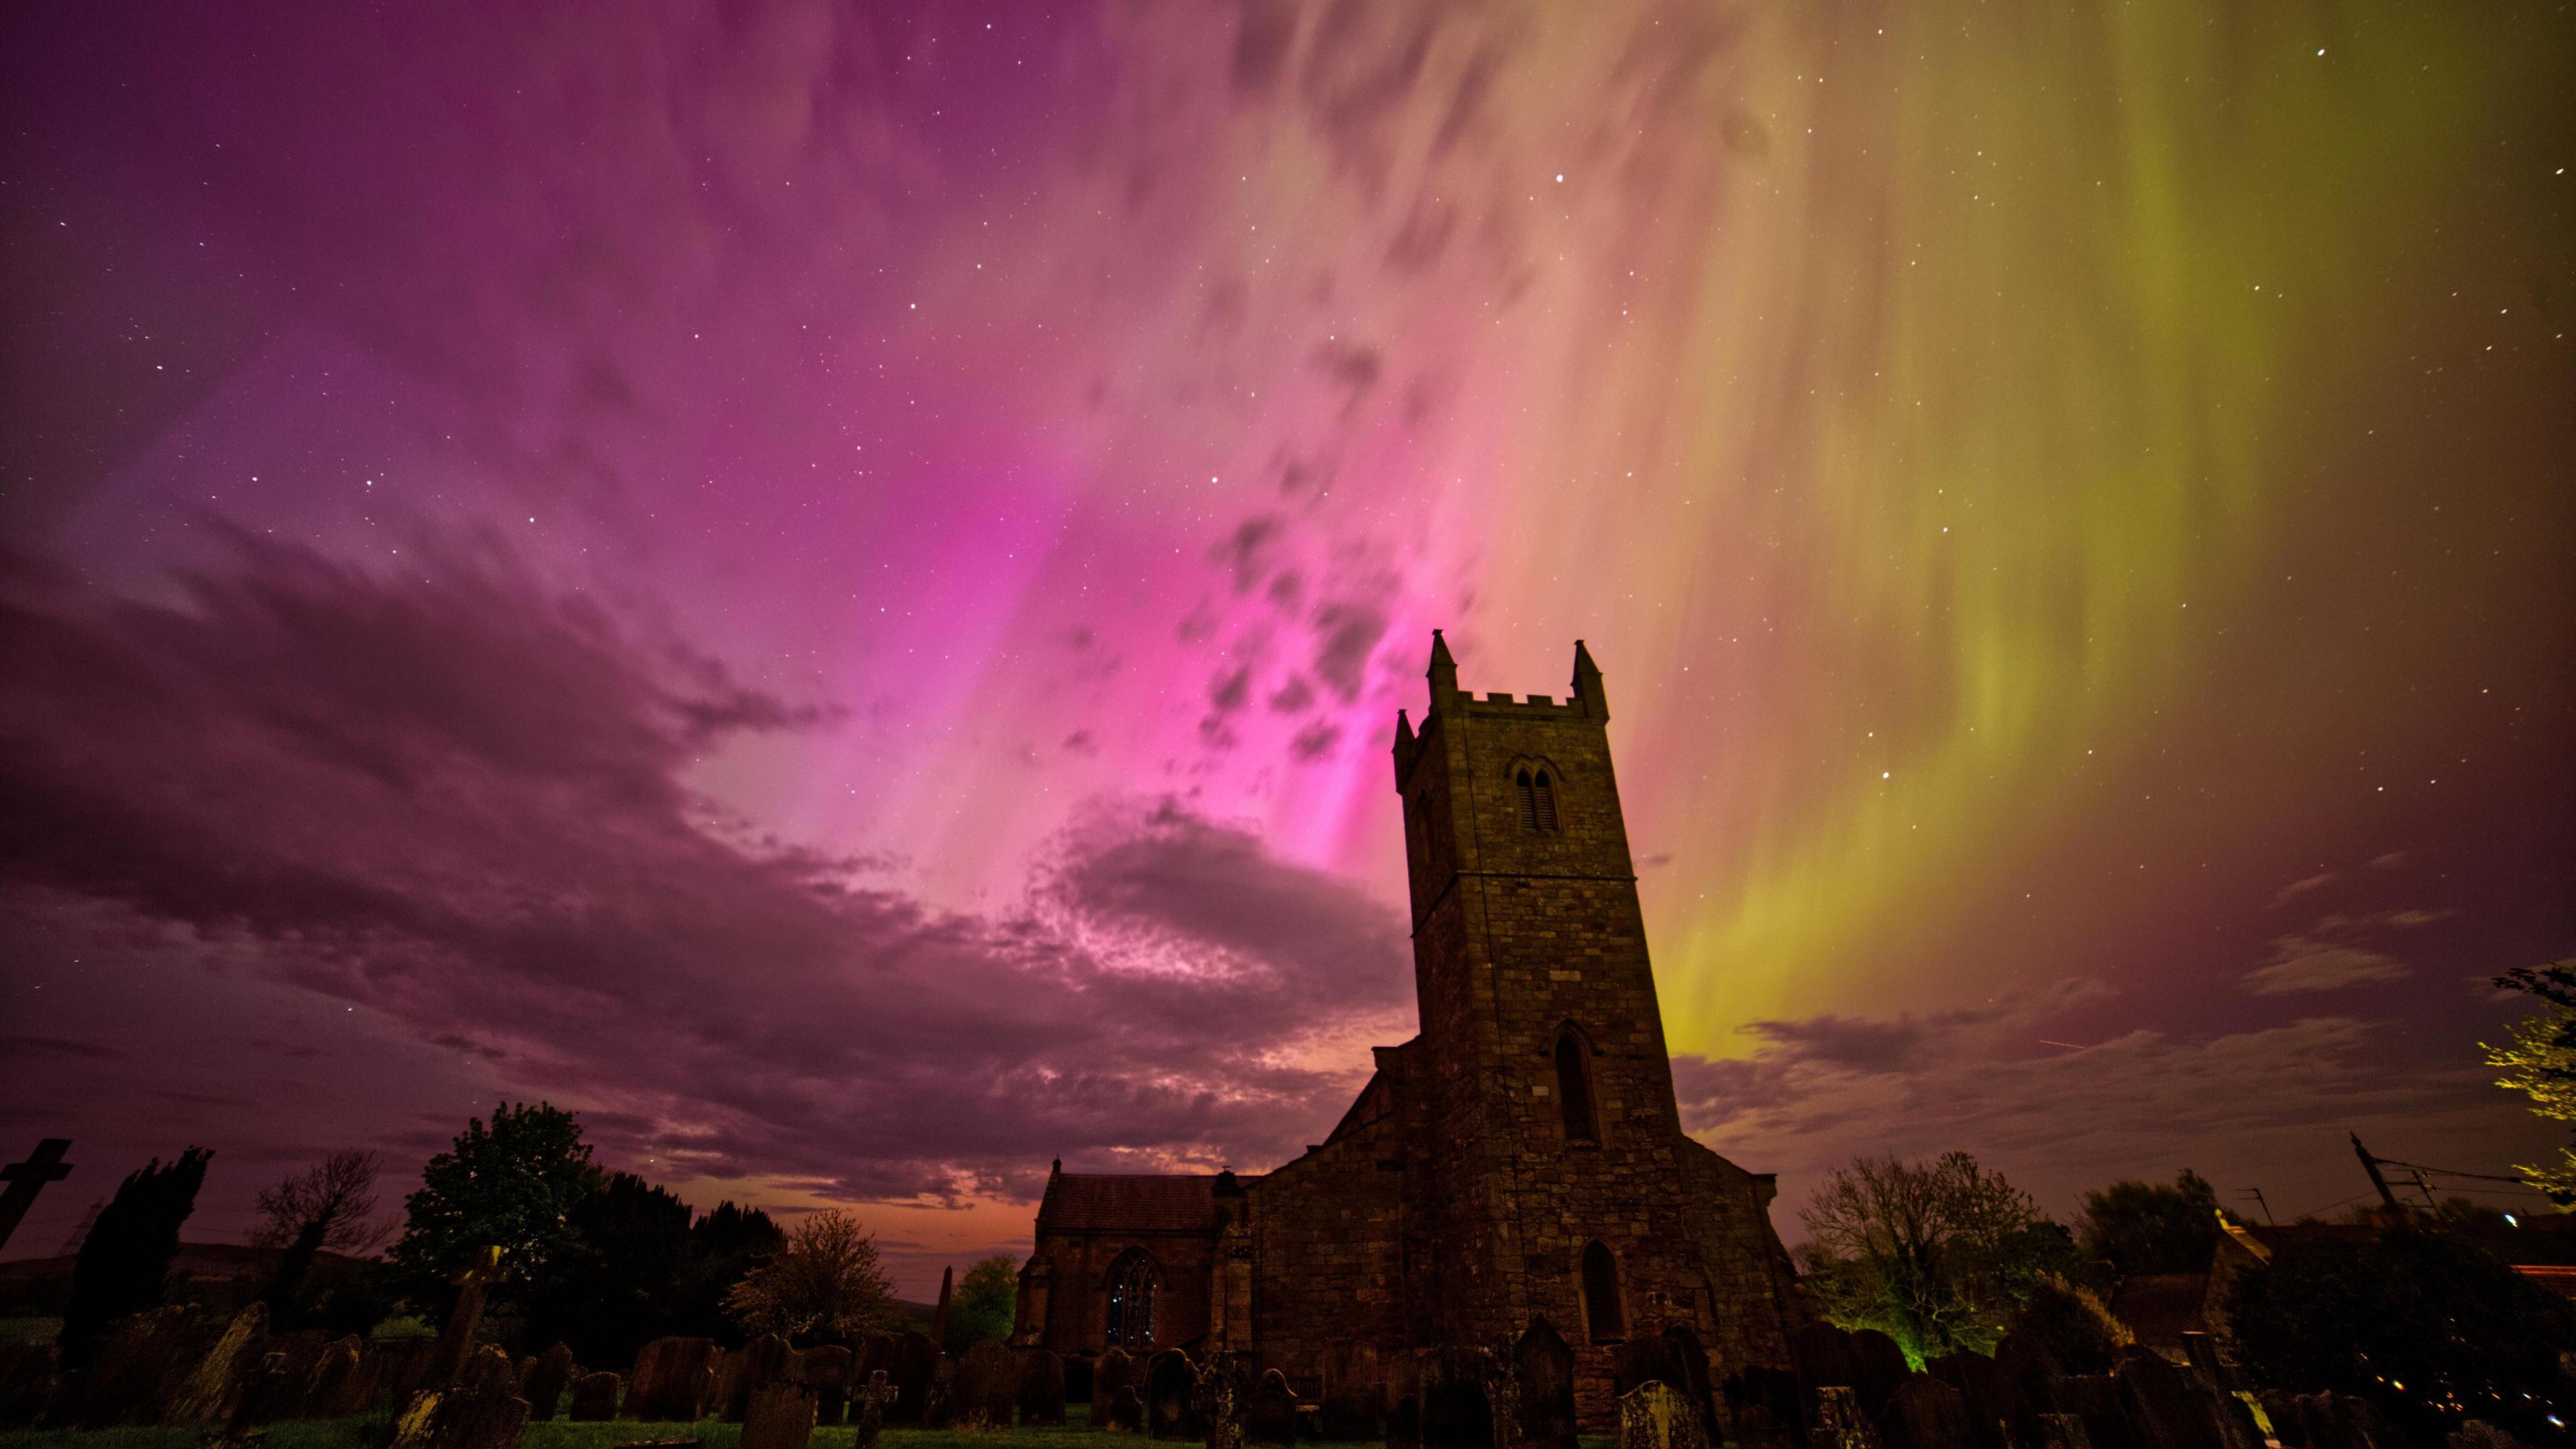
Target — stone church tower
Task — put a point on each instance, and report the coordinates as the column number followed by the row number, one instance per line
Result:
column 1523, row 1156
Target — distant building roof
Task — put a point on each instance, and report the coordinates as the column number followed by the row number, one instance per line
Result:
column 1138, row 1203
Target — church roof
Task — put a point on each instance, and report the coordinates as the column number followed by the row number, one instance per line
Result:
column 1128, row 1203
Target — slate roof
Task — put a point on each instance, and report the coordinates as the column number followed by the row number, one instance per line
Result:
column 1128, row 1203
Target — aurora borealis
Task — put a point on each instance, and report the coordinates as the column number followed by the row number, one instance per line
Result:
column 828, row 586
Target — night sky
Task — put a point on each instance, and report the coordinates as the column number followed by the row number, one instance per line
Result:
column 830, row 587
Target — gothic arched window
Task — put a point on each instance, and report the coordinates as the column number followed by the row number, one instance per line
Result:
column 1134, row 1279
column 1601, row 1316
column 1537, row 799
column 1574, row 1087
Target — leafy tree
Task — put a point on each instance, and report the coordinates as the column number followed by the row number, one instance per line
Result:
column 725, row 1245
column 2418, row 1320
column 2539, row 1061
column 2071, row 1323
column 2139, row 1227
column 987, row 1299
column 126, row 1257
column 825, row 1285
column 614, row 1287
column 512, row 1186
column 1938, row 1255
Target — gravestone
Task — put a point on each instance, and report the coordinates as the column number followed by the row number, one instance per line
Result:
column 1115, row 1403
column 1354, row 1393
column 2059, row 1431
column 28, row 1178
column 1041, row 1388
column 779, row 1415
column 461, row 1418
column 134, row 1376
column 825, row 1372
column 1693, row 1363
column 1503, row 1398
column 594, row 1398
column 1449, row 1389
column 1763, row 1408
column 389, row 1367
column 986, row 1386
column 273, row 1393
column 2282, row 1408
column 456, row 1341
column 2165, row 1408
column 1925, row 1413
column 1656, row 1415
column 489, row 1371
column 2097, row 1400
column 30, row 1378
column 330, row 1391
column 1125, row 1411
column 667, row 1377
column 1170, row 1382
column 1216, row 1401
column 2026, row 1370
column 1271, row 1416
column 1822, row 1355
column 868, row 1405
column 764, row 1361
column 546, row 1379
column 1989, row 1403
column 1839, row 1421
column 215, row 1387
column 1653, row 1358
column 1878, row 1366
column 912, row 1362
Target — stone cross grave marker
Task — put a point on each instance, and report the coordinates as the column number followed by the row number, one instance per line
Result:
column 871, row 1403
column 28, row 1178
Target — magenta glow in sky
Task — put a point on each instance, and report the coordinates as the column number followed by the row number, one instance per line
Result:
column 829, row 586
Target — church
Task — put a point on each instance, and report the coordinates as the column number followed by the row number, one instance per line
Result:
column 1522, row 1155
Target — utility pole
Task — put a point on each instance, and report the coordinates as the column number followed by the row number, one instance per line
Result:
column 2370, row 1165
column 2256, row 1193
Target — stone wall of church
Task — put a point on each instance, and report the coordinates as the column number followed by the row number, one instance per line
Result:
column 1078, row 1286
column 1328, row 1245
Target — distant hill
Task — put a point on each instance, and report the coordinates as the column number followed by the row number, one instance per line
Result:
column 217, row 1273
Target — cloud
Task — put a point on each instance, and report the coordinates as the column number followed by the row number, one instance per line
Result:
column 2300, row 963
column 2301, row 887
column 455, row 801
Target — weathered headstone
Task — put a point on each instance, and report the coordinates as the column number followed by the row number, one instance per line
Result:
column 1878, row 1366
column 764, row 1361
column 1171, row 1380
column 666, row 1381
column 1217, row 1401
column 456, row 1341
column 1989, row 1403
column 594, row 1398
column 1271, row 1415
column 1840, row 1422
column 2098, row 1401
column 825, row 1373
column 30, row 1378
column 985, row 1387
column 780, row 1415
column 1822, row 1355
column 136, row 1374
column 912, row 1366
column 868, row 1405
column 1693, row 1362
column 1115, row 1403
column 489, row 1371
column 1925, row 1413
column 1544, row 1378
column 1041, row 1388
column 2027, row 1371
column 1354, row 1392
column 1763, row 1408
column 547, row 1378
column 2166, row 1410
column 461, row 1418
column 1656, row 1415
column 1449, row 1386
column 213, row 1390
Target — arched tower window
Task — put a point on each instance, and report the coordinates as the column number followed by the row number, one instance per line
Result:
column 1134, row 1279
column 1574, row 1087
column 1601, row 1316
column 1537, row 799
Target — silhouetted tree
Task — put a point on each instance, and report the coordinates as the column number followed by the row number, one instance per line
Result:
column 2539, row 1061
column 332, row 1205
column 615, row 1287
column 725, row 1245
column 513, row 1186
column 2141, row 1227
column 1937, row 1255
column 824, row 1286
column 126, row 1257
column 2419, row 1320
column 988, row 1297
